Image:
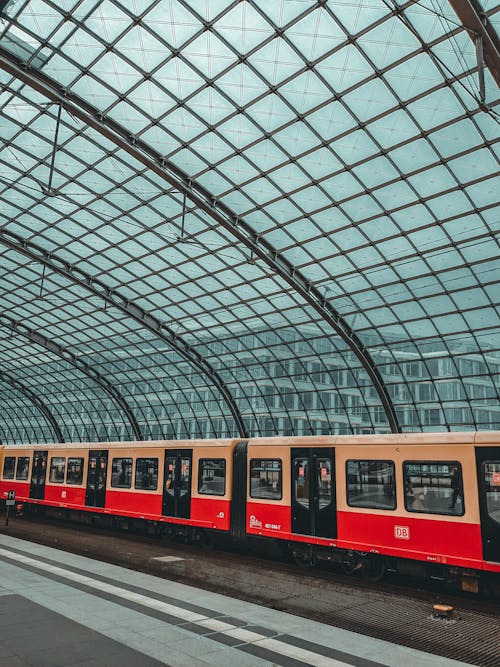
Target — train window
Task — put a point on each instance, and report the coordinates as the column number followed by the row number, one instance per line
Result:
column 433, row 487
column 491, row 477
column 170, row 463
column 212, row 477
column 121, row 473
column 57, row 469
column 265, row 479
column 9, row 466
column 75, row 471
column 146, row 474
column 22, row 468
column 301, row 480
column 185, row 481
column 371, row 484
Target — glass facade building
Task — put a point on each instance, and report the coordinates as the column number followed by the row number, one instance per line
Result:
column 224, row 218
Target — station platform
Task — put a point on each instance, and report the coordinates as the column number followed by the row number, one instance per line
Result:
column 59, row 609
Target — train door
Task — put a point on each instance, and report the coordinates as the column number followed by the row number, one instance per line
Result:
column 239, row 492
column 313, row 492
column 95, row 495
column 488, row 472
column 177, row 483
column 38, row 475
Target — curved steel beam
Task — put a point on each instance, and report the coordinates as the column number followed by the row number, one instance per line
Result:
column 202, row 199
column 477, row 24
column 35, row 337
column 30, row 395
column 114, row 298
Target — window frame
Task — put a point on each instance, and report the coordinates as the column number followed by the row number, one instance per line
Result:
column 23, row 479
column 428, row 462
column 200, row 477
column 53, row 481
column 280, row 478
column 485, row 492
column 6, row 458
column 373, row 507
column 146, row 458
column 132, row 472
column 82, row 459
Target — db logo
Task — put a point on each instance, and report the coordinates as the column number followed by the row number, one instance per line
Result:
column 401, row 532
column 220, row 515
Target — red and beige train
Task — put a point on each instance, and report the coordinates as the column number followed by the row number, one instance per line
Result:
column 364, row 501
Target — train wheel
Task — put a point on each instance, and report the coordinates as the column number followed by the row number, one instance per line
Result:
column 349, row 567
column 304, row 559
column 373, row 569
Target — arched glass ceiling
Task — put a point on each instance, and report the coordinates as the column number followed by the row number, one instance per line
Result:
column 21, row 419
column 251, row 217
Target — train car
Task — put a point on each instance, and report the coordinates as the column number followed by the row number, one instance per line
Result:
column 180, row 483
column 376, row 500
column 410, row 502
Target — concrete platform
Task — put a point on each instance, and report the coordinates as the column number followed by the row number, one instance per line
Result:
column 60, row 609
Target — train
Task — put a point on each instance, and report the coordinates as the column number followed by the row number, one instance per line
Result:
column 419, row 503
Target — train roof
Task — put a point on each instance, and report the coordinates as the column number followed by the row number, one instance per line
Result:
column 453, row 438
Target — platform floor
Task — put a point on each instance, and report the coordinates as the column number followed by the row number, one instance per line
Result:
column 60, row 609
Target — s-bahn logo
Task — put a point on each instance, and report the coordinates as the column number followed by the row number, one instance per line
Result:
column 254, row 522
column 401, row 532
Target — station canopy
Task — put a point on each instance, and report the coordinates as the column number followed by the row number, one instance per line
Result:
column 245, row 218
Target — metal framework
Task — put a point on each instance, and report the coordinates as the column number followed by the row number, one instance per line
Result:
column 114, row 298
column 253, row 218
column 31, row 396
column 21, row 329
column 479, row 27
column 243, row 232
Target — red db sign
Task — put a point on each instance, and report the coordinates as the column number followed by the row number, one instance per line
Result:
column 401, row 532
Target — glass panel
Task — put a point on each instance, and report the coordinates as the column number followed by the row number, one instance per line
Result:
column 91, row 478
column 9, row 466
column 278, row 110
column 57, row 469
column 301, row 481
column 170, row 463
column 75, row 470
column 265, row 479
column 22, row 468
column 146, row 474
column 212, row 477
column 324, row 472
column 371, row 484
column 121, row 473
column 434, row 487
column 185, row 485
column 491, row 477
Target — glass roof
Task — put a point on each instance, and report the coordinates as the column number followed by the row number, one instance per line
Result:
column 224, row 218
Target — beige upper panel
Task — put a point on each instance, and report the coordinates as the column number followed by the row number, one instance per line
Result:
column 404, row 439
column 135, row 445
column 278, row 452
column 399, row 455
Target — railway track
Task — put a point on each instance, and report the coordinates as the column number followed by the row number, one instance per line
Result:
column 396, row 609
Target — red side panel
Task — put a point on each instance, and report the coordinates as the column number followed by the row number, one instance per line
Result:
column 492, row 567
column 268, row 519
column 65, row 495
column 215, row 511
column 22, row 489
column 438, row 540
column 134, row 504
